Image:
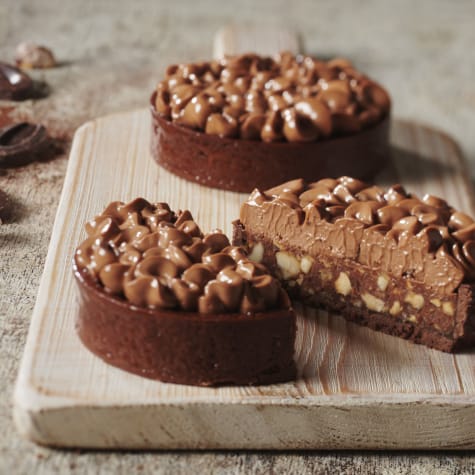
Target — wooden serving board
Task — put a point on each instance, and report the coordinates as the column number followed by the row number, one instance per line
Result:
column 357, row 389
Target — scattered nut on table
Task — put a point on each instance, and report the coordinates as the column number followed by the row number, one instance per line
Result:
column 33, row 56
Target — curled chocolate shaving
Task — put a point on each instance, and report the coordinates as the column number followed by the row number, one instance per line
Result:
column 22, row 143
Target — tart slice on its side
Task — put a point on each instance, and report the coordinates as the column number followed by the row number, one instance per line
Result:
column 382, row 258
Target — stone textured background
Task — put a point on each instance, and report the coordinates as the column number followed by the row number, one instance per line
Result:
column 112, row 53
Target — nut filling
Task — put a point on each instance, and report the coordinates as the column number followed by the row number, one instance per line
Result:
column 372, row 290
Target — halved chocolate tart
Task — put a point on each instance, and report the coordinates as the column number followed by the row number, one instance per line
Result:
column 160, row 299
column 381, row 258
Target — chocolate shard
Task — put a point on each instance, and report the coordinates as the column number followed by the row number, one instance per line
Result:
column 22, row 143
column 15, row 85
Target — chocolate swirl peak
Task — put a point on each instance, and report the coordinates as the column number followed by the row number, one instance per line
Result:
column 152, row 257
column 285, row 98
column 420, row 238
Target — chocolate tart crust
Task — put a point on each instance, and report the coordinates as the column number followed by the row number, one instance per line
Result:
column 242, row 165
column 183, row 347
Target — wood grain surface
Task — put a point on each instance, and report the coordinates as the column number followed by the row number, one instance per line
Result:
column 368, row 390
column 111, row 56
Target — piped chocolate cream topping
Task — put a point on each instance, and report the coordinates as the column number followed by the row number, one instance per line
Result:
column 424, row 239
column 285, row 98
column 154, row 258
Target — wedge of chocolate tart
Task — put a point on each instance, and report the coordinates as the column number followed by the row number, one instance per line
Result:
column 160, row 299
column 383, row 258
column 251, row 121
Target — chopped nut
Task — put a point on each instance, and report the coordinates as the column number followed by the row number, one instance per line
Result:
column 299, row 280
column 325, row 275
column 372, row 302
column 33, row 56
column 435, row 302
column 448, row 308
column 343, row 284
column 383, row 281
column 395, row 308
column 306, row 264
column 415, row 300
column 411, row 318
column 288, row 264
column 257, row 253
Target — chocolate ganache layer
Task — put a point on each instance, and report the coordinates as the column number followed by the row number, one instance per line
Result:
column 160, row 299
column 248, row 121
column 383, row 258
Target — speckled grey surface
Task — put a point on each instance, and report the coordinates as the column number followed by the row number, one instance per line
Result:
column 111, row 56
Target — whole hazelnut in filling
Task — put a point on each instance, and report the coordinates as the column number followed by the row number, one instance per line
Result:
column 284, row 98
column 155, row 258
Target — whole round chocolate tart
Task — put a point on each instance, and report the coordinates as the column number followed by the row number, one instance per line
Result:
column 160, row 299
column 249, row 121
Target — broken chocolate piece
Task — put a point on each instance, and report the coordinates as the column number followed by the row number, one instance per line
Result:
column 15, row 85
column 22, row 143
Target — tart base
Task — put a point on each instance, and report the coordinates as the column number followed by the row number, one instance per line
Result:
column 184, row 347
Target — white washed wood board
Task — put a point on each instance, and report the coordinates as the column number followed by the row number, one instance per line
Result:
column 357, row 389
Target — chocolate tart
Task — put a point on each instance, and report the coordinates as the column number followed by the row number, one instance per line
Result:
column 186, row 333
column 381, row 258
column 251, row 121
